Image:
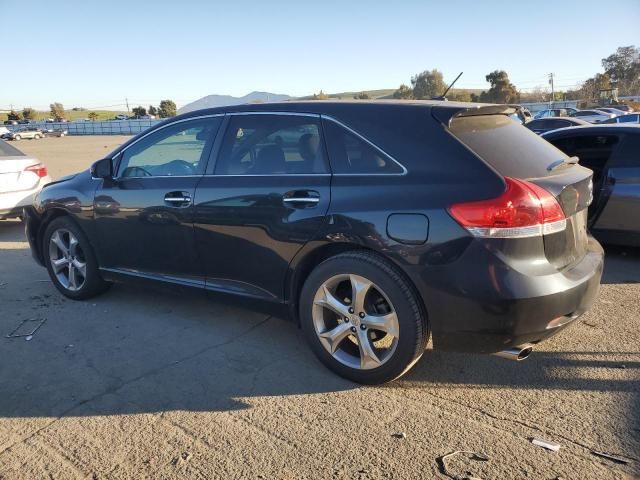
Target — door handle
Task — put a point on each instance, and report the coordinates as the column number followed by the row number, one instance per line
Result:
column 178, row 199
column 301, row 198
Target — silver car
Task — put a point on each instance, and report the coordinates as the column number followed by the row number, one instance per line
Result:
column 32, row 133
column 592, row 116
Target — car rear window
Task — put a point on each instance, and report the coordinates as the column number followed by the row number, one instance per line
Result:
column 511, row 149
column 7, row 150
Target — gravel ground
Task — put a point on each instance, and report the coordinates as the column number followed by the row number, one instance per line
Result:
column 156, row 384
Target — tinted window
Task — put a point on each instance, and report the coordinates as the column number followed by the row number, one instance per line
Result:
column 179, row 149
column 628, row 119
column 271, row 145
column 583, row 114
column 509, row 148
column 351, row 154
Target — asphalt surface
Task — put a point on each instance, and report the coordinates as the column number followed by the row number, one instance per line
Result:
column 168, row 384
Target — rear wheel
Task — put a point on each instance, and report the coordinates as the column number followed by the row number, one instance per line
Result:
column 36, row 136
column 362, row 318
column 70, row 260
column 17, row 137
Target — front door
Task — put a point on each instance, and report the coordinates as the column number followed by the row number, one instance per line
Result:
column 265, row 197
column 144, row 215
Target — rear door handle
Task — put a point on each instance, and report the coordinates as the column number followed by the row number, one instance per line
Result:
column 301, row 198
column 178, row 199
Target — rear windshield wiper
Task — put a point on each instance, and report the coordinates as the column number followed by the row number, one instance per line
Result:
column 558, row 163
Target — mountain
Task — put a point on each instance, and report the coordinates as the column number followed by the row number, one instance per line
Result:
column 211, row 101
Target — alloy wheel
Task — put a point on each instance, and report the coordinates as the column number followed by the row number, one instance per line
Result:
column 67, row 260
column 355, row 321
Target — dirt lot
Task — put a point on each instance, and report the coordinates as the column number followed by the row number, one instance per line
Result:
column 148, row 384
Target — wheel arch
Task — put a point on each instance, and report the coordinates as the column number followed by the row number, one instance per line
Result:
column 49, row 216
column 307, row 261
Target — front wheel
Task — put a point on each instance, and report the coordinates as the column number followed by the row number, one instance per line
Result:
column 17, row 137
column 70, row 261
column 362, row 318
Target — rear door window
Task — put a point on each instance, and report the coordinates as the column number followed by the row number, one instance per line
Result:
column 272, row 144
column 352, row 155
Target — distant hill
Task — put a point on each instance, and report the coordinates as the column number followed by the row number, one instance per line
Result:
column 211, row 101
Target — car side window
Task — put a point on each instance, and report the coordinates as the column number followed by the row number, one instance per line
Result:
column 272, row 144
column 350, row 154
column 180, row 149
column 628, row 119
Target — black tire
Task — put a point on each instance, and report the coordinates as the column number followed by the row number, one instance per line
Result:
column 93, row 283
column 412, row 318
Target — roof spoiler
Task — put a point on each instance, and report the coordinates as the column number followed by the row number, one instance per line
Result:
column 446, row 114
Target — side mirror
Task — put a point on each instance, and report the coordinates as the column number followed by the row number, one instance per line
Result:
column 102, row 169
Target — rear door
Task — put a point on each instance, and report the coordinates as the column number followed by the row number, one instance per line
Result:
column 620, row 194
column 265, row 197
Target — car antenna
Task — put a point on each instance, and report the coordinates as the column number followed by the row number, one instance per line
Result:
column 444, row 95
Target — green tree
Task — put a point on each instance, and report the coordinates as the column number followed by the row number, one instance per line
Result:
column 93, row 116
column 591, row 87
column 167, row 109
column 141, row 111
column 404, row 92
column 57, row 111
column 623, row 68
column 502, row 90
column 428, row 84
column 13, row 115
column 28, row 113
column 319, row 96
column 361, row 96
column 459, row 96
column 152, row 110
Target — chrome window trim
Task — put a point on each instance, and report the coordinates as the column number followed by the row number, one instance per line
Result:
column 370, row 143
column 296, row 114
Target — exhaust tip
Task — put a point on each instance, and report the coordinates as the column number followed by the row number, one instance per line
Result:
column 516, row 353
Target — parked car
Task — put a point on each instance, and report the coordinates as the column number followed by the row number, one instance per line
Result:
column 626, row 118
column 4, row 131
column 55, row 132
column 592, row 116
column 542, row 125
column 120, row 117
column 21, row 177
column 623, row 107
column 612, row 152
column 374, row 225
column 24, row 121
column 11, row 122
column 26, row 133
column 555, row 112
column 611, row 110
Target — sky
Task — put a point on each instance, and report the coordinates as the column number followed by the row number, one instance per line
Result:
column 96, row 54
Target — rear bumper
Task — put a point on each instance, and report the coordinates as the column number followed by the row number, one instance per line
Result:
column 487, row 306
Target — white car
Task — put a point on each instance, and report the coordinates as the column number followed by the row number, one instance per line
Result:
column 592, row 116
column 21, row 177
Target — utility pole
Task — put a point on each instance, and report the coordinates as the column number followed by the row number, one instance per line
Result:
column 552, row 91
column 126, row 100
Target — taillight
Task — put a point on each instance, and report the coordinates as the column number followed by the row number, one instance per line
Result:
column 523, row 210
column 39, row 169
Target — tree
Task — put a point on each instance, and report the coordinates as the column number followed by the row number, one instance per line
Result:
column 141, row 111
column 428, row 84
column 502, row 90
column 152, row 110
column 93, row 116
column 591, row 87
column 459, row 96
column 13, row 115
column 623, row 68
column 57, row 111
column 28, row 113
column 167, row 109
column 320, row 96
column 403, row 92
column 361, row 96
